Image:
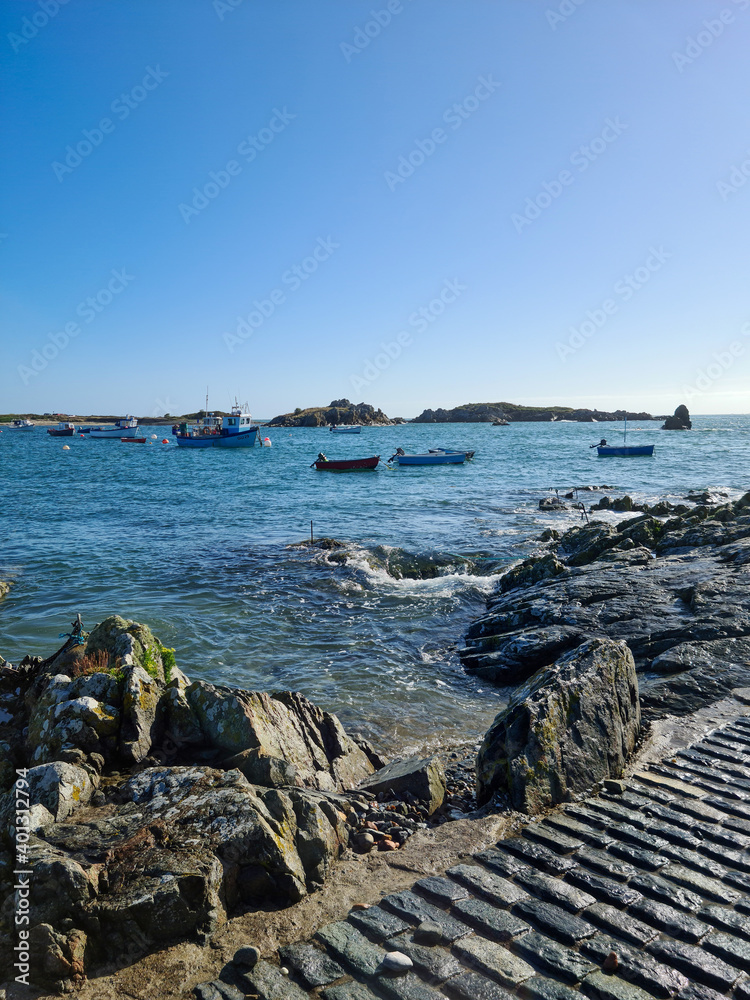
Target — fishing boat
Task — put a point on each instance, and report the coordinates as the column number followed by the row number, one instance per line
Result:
column 63, row 430
column 623, row 450
column 21, row 425
column 323, row 464
column 127, row 427
column 129, row 440
column 433, row 457
column 500, row 422
column 236, row 430
column 345, row 428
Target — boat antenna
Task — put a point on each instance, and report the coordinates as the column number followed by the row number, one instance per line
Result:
column 206, row 400
column 625, row 432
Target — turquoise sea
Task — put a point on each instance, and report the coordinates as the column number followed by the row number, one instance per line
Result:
column 196, row 544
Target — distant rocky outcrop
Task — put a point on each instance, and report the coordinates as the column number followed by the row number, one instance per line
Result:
column 513, row 413
column 155, row 805
column 338, row 411
column 679, row 421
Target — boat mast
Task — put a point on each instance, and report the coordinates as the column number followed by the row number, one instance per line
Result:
column 625, row 431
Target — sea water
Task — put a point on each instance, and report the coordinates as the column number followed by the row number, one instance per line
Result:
column 196, row 544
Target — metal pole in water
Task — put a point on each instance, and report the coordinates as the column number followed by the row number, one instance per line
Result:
column 311, row 533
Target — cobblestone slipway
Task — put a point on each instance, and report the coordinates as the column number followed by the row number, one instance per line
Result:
column 641, row 891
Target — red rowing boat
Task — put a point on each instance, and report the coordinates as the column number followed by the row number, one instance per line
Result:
column 133, row 440
column 322, row 464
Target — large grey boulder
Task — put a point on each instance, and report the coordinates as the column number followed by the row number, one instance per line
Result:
column 284, row 726
column 571, row 725
column 422, row 777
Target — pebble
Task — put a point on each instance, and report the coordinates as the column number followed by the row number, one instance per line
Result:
column 360, row 906
column 428, row 932
column 611, row 962
column 247, row 957
column 364, row 842
column 396, row 961
column 387, row 845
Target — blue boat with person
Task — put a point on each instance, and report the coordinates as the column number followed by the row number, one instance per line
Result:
column 623, row 450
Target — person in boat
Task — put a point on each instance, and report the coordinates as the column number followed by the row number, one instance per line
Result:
column 602, row 444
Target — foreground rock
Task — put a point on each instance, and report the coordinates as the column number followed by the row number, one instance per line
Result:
column 675, row 589
column 512, row 412
column 573, row 724
column 339, row 411
column 680, row 421
column 157, row 805
column 423, row 779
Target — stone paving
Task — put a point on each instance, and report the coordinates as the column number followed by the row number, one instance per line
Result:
column 640, row 892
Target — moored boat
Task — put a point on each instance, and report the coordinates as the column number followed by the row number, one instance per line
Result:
column 131, row 440
column 21, row 425
column 236, row 430
column 63, row 430
column 345, row 428
column 126, row 427
column 624, row 450
column 433, row 457
column 323, row 464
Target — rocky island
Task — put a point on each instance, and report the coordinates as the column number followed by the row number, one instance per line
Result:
column 513, row 413
column 338, row 411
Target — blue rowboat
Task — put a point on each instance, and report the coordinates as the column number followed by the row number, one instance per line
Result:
column 625, row 449
column 430, row 458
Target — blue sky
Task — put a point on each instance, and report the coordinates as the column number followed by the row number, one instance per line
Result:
column 412, row 203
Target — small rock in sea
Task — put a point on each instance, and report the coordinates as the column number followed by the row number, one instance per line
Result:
column 247, row 957
column 396, row 961
column 428, row 932
column 611, row 962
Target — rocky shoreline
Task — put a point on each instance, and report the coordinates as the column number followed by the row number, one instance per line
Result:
column 514, row 413
column 160, row 810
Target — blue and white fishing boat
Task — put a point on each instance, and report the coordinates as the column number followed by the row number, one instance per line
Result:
column 21, row 425
column 436, row 456
column 236, row 430
column 623, row 450
column 346, row 428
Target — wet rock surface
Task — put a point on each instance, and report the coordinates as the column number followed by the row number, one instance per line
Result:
column 673, row 587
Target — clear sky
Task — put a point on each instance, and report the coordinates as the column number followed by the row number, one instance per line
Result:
column 410, row 203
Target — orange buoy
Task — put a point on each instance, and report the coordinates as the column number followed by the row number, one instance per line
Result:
column 164, row 441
